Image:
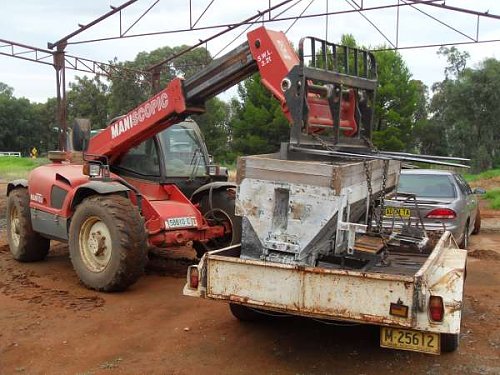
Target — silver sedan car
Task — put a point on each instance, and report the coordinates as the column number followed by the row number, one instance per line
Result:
column 444, row 199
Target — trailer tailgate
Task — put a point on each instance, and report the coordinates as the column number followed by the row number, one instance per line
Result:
column 310, row 291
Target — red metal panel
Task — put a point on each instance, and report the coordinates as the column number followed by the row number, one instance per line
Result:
column 154, row 115
column 275, row 58
column 42, row 179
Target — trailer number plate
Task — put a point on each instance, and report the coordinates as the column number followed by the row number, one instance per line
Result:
column 180, row 222
column 406, row 339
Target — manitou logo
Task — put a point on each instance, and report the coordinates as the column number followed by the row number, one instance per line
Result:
column 139, row 115
column 36, row 197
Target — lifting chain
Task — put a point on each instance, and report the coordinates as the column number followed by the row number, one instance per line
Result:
column 371, row 202
column 382, row 197
column 325, row 145
column 371, row 211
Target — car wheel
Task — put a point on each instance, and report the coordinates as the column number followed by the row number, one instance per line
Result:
column 477, row 223
column 465, row 239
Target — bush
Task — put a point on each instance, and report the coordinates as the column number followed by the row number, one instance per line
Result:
column 494, row 197
column 482, row 176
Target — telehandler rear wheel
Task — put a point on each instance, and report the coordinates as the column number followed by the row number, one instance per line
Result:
column 107, row 243
column 219, row 212
column 25, row 244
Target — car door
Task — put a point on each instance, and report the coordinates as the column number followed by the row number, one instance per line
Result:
column 471, row 200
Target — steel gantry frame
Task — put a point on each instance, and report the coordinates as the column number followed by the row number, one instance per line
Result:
column 61, row 61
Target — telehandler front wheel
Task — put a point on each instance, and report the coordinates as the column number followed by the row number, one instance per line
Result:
column 25, row 244
column 107, row 243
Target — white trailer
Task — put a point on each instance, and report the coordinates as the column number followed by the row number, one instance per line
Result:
column 308, row 263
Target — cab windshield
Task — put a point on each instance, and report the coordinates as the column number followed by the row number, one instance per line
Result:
column 183, row 153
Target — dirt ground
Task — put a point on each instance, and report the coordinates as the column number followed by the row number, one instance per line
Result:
column 50, row 324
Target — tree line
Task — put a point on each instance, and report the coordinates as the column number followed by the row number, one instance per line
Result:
column 460, row 118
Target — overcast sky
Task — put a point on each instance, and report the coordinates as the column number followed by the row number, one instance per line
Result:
column 36, row 22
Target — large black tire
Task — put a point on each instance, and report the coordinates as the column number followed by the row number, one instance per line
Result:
column 25, row 244
column 465, row 239
column 477, row 223
column 80, row 134
column 244, row 313
column 107, row 243
column 220, row 212
column 449, row 342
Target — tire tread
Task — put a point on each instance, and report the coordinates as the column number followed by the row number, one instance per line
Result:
column 132, row 241
column 32, row 246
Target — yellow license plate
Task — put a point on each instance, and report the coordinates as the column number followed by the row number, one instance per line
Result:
column 397, row 212
column 406, row 339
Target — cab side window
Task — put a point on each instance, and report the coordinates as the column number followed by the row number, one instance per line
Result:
column 142, row 159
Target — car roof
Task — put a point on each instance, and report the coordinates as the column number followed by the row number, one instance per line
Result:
column 427, row 171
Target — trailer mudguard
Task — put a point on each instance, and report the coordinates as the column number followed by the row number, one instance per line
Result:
column 212, row 186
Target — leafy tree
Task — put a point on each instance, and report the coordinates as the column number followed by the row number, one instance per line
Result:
column 88, row 98
column 214, row 124
column 428, row 136
column 6, row 90
column 396, row 101
column 466, row 105
column 46, row 117
column 457, row 61
column 258, row 123
column 129, row 89
column 20, row 129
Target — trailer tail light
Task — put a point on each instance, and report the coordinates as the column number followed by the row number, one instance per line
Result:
column 436, row 308
column 442, row 213
column 193, row 277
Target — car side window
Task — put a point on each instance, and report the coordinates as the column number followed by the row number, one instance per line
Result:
column 463, row 185
column 467, row 186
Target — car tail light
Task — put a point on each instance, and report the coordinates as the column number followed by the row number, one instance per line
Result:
column 441, row 213
column 436, row 308
column 194, row 277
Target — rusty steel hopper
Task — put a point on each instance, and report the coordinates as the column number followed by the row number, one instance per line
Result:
column 289, row 208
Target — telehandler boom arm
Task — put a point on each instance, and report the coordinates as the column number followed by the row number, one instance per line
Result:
column 267, row 52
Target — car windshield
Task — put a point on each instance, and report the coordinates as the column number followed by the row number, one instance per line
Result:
column 183, row 152
column 427, row 185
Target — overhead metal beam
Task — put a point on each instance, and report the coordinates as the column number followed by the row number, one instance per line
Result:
column 114, row 10
column 77, row 63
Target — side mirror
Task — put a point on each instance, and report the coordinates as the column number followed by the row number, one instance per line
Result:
column 479, row 191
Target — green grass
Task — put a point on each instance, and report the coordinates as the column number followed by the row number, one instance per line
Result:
column 494, row 197
column 12, row 168
column 482, row 176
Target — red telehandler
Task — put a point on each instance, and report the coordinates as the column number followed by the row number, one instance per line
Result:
column 145, row 180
